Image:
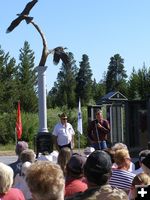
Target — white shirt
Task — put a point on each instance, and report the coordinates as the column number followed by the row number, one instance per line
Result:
column 63, row 133
column 51, row 157
column 138, row 171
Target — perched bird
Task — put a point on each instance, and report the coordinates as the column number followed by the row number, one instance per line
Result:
column 59, row 53
column 22, row 16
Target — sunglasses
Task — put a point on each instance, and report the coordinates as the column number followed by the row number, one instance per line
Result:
column 98, row 113
column 128, row 159
column 64, row 119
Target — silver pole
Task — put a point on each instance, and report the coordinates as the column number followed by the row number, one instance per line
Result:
column 97, row 136
column 42, row 99
column 79, row 142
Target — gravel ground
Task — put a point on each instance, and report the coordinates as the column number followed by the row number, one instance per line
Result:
column 8, row 159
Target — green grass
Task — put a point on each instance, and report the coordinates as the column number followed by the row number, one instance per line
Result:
column 7, row 147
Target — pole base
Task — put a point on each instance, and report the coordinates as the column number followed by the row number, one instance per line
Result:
column 43, row 143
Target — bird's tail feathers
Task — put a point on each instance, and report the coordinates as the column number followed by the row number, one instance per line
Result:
column 28, row 19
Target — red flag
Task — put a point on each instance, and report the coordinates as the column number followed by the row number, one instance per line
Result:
column 19, row 123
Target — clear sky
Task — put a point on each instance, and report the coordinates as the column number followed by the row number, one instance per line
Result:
column 98, row 28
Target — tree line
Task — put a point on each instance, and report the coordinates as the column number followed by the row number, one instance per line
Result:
column 18, row 81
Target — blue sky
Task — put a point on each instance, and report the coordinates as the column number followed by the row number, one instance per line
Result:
column 98, row 28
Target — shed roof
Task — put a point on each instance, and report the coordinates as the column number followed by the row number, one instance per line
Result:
column 111, row 97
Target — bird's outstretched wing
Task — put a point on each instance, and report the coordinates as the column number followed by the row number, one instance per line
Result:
column 64, row 57
column 23, row 15
column 28, row 7
column 14, row 23
column 56, row 58
column 59, row 53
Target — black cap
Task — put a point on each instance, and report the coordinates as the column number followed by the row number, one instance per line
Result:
column 76, row 163
column 98, row 166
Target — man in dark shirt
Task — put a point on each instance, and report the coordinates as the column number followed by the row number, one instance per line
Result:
column 98, row 130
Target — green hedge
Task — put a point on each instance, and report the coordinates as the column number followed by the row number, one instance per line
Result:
column 30, row 125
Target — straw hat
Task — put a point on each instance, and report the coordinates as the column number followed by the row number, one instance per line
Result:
column 63, row 115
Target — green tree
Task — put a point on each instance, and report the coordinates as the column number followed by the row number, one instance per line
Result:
column 84, row 81
column 8, row 87
column 52, row 96
column 139, row 84
column 116, row 75
column 99, row 89
column 27, row 79
column 143, row 82
column 64, row 90
column 133, row 93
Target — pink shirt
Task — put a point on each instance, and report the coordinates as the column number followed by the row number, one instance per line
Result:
column 13, row 194
column 75, row 185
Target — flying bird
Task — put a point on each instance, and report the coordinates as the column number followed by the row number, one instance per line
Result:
column 22, row 16
column 59, row 54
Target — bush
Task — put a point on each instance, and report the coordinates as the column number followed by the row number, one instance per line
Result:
column 30, row 124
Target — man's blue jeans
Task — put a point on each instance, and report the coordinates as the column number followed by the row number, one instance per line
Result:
column 101, row 145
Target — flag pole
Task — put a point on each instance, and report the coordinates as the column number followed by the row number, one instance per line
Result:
column 79, row 142
column 16, row 137
column 79, row 125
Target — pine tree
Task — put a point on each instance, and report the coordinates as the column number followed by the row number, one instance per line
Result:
column 139, row 84
column 8, row 89
column 143, row 82
column 63, row 93
column 99, row 89
column 27, row 79
column 84, row 81
column 116, row 75
column 133, row 86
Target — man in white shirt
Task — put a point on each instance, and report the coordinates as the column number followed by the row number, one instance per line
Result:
column 63, row 133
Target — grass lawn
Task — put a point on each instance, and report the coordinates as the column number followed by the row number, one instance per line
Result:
column 8, row 149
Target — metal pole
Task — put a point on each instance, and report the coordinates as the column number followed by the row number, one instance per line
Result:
column 111, row 125
column 79, row 142
column 97, row 135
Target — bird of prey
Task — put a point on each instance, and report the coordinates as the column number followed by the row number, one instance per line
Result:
column 59, row 54
column 22, row 16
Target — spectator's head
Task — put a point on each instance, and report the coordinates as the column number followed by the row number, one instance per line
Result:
column 119, row 146
column 63, row 158
column 46, row 181
column 97, row 168
column 6, row 178
column 122, row 158
column 139, row 179
column 146, row 164
column 88, row 151
column 75, row 166
column 143, row 154
column 111, row 152
column 21, row 145
column 27, row 155
column 24, row 167
column 109, row 193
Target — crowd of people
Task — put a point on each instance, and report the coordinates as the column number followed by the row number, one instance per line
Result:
column 98, row 173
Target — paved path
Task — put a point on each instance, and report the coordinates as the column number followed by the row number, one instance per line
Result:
column 8, row 159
